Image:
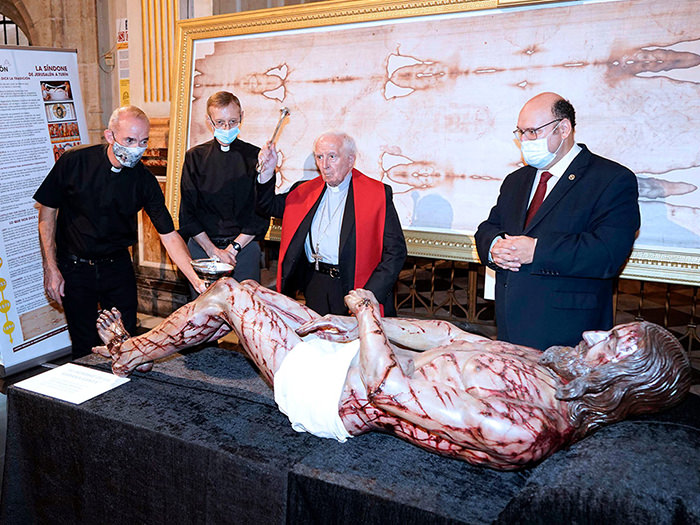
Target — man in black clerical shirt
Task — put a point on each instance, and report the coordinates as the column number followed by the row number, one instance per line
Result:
column 217, row 207
column 87, row 220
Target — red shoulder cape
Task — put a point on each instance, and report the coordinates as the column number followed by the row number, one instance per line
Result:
column 369, row 199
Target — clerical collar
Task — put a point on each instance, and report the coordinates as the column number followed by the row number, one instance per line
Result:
column 343, row 186
column 115, row 169
column 225, row 147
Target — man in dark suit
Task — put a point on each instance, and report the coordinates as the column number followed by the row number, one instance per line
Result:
column 559, row 233
column 340, row 231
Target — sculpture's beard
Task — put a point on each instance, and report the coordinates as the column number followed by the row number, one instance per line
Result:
column 566, row 361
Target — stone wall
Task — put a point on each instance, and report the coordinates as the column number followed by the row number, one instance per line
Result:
column 65, row 24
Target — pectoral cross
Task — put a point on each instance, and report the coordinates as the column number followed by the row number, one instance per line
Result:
column 316, row 257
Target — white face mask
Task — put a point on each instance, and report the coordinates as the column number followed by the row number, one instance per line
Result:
column 537, row 154
column 127, row 157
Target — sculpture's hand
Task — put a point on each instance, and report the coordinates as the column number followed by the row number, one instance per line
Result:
column 360, row 299
column 336, row 328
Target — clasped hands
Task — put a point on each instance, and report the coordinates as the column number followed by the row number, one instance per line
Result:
column 513, row 251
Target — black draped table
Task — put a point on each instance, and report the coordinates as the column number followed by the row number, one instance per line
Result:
column 200, row 440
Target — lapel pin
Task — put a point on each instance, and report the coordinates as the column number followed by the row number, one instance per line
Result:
column 572, row 176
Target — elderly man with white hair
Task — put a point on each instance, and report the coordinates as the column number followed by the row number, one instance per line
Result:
column 340, row 231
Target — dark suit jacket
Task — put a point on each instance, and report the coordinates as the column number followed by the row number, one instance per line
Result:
column 295, row 268
column 584, row 230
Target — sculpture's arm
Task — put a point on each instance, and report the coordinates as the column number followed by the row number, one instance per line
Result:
column 415, row 334
column 419, row 334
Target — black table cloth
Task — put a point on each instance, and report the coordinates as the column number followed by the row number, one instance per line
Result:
column 200, row 440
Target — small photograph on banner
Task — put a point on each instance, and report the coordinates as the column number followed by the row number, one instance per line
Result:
column 54, row 91
column 60, row 111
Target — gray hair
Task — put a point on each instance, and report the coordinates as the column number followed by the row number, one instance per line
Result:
column 347, row 142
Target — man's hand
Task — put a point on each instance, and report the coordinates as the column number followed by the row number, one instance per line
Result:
column 54, row 284
column 199, row 285
column 513, row 251
column 227, row 255
column 336, row 328
column 267, row 162
column 53, row 280
column 359, row 299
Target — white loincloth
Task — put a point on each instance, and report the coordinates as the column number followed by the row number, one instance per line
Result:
column 309, row 383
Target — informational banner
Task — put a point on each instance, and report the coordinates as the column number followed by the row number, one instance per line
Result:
column 123, row 61
column 42, row 116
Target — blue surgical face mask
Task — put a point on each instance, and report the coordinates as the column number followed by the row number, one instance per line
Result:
column 226, row 136
column 536, row 152
column 127, row 157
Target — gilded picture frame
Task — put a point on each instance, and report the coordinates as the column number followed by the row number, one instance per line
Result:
column 327, row 21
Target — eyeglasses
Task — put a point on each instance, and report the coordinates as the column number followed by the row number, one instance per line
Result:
column 533, row 133
column 219, row 124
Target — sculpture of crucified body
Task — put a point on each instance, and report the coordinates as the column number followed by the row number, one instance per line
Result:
column 426, row 381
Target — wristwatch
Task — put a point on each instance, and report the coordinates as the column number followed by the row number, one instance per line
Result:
column 237, row 247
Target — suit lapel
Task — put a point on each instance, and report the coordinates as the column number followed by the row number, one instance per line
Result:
column 348, row 219
column 571, row 176
column 305, row 226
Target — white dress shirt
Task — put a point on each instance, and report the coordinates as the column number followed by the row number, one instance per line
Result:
column 326, row 224
column 557, row 170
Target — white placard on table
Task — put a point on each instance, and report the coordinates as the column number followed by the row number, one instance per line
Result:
column 72, row 383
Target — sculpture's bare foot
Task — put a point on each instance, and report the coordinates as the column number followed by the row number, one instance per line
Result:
column 111, row 329
column 101, row 350
column 115, row 355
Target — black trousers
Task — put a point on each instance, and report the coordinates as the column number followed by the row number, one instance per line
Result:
column 92, row 287
column 325, row 295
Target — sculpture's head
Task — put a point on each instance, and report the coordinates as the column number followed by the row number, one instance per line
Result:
column 632, row 369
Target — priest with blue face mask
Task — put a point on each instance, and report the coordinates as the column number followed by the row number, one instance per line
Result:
column 559, row 233
column 88, row 207
column 217, row 189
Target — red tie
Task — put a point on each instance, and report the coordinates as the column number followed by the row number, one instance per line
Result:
column 538, row 198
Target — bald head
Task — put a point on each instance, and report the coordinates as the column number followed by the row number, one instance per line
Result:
column 542, row 101
column 551, row 117
column 553, row 105
column 127, row 113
